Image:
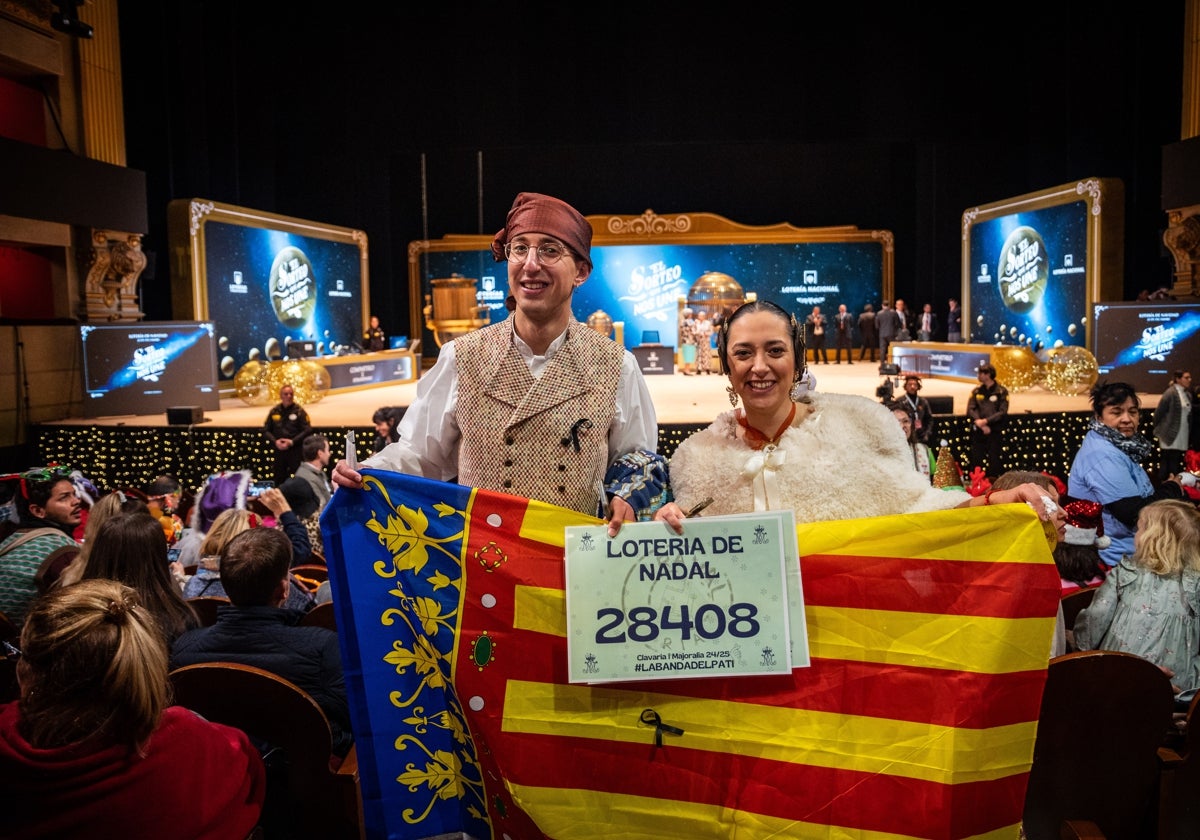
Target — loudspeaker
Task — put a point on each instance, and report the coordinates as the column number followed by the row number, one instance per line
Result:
column 185, row 415
column 941, row 405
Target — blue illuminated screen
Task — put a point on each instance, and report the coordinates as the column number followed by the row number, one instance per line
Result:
column 640, row 285
column 147, row 367
column 1144, row 343
column 1028, row 278
column 266, row 287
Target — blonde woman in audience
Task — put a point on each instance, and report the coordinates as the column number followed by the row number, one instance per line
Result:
column 92, row 748
column 207, row 580
column 1149, row 604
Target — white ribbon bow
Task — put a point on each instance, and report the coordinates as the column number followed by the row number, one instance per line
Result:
column 760, row 469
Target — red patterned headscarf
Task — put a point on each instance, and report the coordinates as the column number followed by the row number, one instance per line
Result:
column 537, row 213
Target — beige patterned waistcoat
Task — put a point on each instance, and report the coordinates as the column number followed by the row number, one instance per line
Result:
column 514, row 427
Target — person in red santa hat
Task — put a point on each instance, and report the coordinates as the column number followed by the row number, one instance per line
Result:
column 1077, row 554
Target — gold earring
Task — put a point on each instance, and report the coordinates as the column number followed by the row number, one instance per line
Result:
column 733, row 396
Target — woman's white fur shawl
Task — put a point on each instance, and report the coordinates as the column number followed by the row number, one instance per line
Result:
column 847, row 459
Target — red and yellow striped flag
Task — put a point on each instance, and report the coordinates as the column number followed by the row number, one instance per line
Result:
column 929, row 635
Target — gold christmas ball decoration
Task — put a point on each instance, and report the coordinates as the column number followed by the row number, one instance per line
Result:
column 250, row 383
column 1016, row 367
column 317, row 381
column 310, row 381
column 601, row 322
column 1069, row 370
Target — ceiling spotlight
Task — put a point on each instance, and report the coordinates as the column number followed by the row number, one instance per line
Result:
column 66, row 19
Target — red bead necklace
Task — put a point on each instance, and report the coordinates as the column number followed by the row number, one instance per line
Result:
column 756, row 439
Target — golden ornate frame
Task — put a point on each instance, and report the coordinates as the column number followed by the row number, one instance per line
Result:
column 652, row 228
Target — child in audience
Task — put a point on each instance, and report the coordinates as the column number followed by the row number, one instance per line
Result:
column 1077, row 555
column 1149, row 604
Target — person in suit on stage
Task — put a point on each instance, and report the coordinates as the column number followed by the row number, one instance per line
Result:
column 887, row 324
column 905, row 323
column 843, row 333
column 927, row 323
column 815, row 325
column 868, row 333
column 954, row 322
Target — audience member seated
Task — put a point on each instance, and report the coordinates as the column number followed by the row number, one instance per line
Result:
column 290, row 523
column 1049, row 488
column 161, row 508
column 35, row 549
column 1055, row 527
column 133, row 550
column 218, row 494
column 92, row 749
column 207, row 580
column 88, row 494
column 1149, row 603
column 307, row 507
column 1078, row 553
column 255, row 630
column 108, row 506
column 316, row 454
column 167, row 493
column 1108, row 467
column 386, row 419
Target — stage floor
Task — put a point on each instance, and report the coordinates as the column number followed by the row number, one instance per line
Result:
column 678, row 399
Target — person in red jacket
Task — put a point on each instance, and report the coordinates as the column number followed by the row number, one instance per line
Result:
column 91, row 748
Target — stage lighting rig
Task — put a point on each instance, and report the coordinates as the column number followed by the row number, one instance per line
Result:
column 66, row 19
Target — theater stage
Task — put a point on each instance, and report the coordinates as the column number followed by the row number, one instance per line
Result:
column 678, row 399
column 1045, row 431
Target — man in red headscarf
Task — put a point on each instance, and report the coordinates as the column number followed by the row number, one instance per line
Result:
column 538, row 405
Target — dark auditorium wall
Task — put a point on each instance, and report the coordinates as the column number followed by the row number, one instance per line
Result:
column 414, row 120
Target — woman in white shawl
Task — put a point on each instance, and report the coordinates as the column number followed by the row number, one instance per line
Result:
column 825, row 456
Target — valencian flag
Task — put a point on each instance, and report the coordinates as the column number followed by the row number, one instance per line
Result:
column 929, row 637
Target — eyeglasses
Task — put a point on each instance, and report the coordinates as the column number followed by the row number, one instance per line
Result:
column 548, row 253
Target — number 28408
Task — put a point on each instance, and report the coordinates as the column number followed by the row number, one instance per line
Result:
column 645, row 623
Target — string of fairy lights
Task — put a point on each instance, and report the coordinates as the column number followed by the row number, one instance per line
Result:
column 116, row 457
